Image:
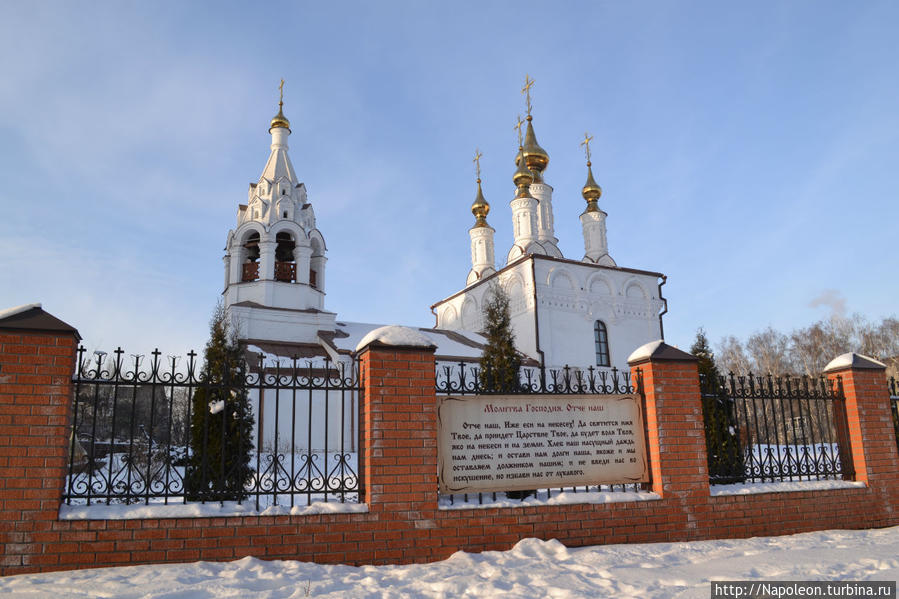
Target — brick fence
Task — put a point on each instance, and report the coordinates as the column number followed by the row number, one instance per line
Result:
column 398, row 464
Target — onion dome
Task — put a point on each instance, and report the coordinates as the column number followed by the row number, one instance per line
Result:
column 591, row 190
column 480, row 208
column 279, row 120
column 523, row 176
column 535, row 156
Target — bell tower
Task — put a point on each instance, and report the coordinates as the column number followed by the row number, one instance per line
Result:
column 275, row 258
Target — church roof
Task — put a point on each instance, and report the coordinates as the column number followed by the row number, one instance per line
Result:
column 278, row 166
column 452, row 346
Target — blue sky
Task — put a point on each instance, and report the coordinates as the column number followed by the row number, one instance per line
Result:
column 749, row 151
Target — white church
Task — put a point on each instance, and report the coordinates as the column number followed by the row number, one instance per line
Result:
column 586, row 312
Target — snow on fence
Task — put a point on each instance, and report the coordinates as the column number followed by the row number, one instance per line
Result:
column 153, row 433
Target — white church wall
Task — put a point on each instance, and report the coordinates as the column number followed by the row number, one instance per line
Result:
column 278, row 325
column 573, row 296
column 464, row 312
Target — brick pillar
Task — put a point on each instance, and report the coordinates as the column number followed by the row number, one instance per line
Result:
column 399, row 428
column 674, row 422
column 37, row 359
column 872, row 439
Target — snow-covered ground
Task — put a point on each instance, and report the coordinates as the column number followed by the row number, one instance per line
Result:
column 532, row 569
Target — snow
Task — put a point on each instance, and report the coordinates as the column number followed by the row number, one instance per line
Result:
column 644, row 352
column 848, row 360
column 532, row 568
column 447, row 347
column 558, row 498
column 292, row 478
column 785, row 487
column 216, row 406
column 201, row 510
column 395, row 335
column 17, row 310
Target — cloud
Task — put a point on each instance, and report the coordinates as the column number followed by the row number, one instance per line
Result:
column 832, row 299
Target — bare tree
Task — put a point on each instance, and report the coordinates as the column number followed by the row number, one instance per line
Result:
column 768, row 351
column 808, row 350
column 731, row 356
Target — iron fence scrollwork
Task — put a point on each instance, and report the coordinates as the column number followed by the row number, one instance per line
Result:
column 131, row 438
column 463, row 378
column 770, row 429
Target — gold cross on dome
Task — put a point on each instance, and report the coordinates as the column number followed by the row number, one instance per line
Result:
column 281, row 89
column 586, row 144
column 477, row 161
column 526, row 90
column 518, row 126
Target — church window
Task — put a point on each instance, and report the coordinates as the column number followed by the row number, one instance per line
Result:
column 313, row 279
column 601, row 336
column 285, row 266
column 250, row 267
column 285, row 214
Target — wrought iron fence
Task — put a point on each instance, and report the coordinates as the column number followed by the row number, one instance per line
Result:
column 464, row 378
column 894, row 403
column 768, row 429
column 147, row 431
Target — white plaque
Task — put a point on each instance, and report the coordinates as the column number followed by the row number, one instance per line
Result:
column 518, row 442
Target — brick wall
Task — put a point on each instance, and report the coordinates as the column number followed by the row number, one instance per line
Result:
column 398, row 467
column 35, row 394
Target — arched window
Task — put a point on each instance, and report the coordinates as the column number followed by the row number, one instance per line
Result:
column 601, row 336
column 285, row 267
column 250, row 267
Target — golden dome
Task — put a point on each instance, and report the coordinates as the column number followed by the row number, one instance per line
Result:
column 523, row 176
column 535, row 156
column 591, row 190
column 279, row 119
column 480, row 208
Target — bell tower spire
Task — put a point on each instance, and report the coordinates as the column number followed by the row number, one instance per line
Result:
column 593, row 220
column 482, row 248
column 275, row 260
column 536, row 160
column 524, row 207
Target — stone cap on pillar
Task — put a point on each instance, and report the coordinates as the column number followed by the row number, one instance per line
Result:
column 659, row 351
column 853, row 360
column 396, row 337
column 31, row 317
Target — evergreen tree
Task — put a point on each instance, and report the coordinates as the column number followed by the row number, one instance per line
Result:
column 221, row 425
column 500, row 362
column 725, row 456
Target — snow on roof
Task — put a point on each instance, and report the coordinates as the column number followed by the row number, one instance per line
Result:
column 644, row 351
column 395, row 335
column 853, row 360
column 17, row 310
column 450, row 344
